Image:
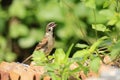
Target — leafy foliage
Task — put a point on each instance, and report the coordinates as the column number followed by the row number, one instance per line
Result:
column 94, row 26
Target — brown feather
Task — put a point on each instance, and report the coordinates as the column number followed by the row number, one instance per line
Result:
column 42, row 44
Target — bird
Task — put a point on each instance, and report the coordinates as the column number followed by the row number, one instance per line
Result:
column 47, row 43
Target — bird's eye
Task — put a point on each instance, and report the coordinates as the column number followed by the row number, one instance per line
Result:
column 49, row 29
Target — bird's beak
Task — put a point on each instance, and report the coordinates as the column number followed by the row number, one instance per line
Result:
column 54, row 25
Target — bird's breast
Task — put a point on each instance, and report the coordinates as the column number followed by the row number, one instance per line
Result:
column 50, row 41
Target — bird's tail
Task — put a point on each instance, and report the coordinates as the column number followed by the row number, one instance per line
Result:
column 27, row 59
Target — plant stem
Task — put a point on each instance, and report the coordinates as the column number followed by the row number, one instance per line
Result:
column 95, row 24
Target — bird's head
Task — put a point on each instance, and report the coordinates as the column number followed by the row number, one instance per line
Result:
column 50, row 27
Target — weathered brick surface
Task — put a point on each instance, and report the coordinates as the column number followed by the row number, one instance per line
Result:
column 18, row 71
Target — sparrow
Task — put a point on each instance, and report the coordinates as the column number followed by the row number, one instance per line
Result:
column 47, row 43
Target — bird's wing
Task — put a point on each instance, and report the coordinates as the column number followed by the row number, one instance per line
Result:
column 42, row 44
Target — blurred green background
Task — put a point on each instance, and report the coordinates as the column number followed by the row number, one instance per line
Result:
column 23, row 22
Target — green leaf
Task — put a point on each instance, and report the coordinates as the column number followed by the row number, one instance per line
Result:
column 109, row 14
column 17, row 30
column 75, row 70
column 1, row 55
column 81, row 54
column 68, row 53
column 96, row 44
column 64, row 75
column 61, row 32
column 23, row 30
column 59, row 56
column 2, row 28
column 90, row 4
column 3, row 43
column 81, row 10
column 39, row 57
column 115, row 50
column 118, row 25
column 54, row 76
column 114, row 19
column 50, row 12
column 17, row 9
column 14, row 33
column 81, row 45
column 36, row 34
column 52, row 67
column 106, row 4
column 26, row 42
column 95, row 64
column 10, row 56
column 99, row 27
